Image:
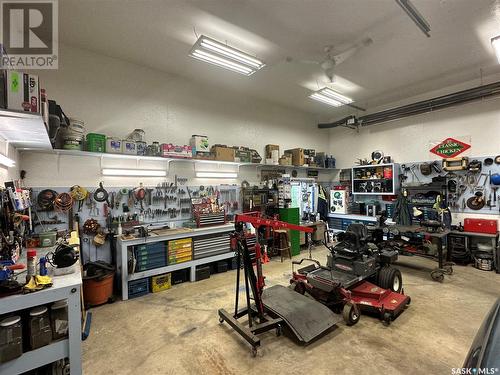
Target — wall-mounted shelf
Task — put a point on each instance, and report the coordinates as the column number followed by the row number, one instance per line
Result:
column 376, row 179
column 138, row 158
column 24, row 129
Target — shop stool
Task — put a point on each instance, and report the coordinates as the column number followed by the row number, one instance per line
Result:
column 282, row 243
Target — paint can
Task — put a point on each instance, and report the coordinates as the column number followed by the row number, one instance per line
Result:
column 129, row 147
column 113, row 145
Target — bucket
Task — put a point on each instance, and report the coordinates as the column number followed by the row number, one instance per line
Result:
column 98, row 291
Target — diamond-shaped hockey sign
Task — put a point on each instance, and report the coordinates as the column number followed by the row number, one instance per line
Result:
column 450, row 148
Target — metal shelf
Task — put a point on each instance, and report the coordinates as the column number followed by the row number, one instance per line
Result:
column 61, row 152
column 24, row 129
column 180, row 266
column 36, row 358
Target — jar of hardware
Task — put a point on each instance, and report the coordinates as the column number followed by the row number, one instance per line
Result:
column 141, row 147
column 137, row 135
column 11, row 338
column 155, row 149
column 59, row 319
column 40, row 332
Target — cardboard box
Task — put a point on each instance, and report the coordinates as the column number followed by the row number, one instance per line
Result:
column 200, row 144
column 223, row 153
column 168, row 150
column 285, row 160
column 23, row 91
column 298, row 157
column 270, row 149
column 242, row 156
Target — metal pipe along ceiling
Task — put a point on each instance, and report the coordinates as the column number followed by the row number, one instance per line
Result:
column 424, row 106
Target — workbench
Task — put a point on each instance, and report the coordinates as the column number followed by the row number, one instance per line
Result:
column 64, row 287
column 488, row 236
column 122, row 254
column 444, row 268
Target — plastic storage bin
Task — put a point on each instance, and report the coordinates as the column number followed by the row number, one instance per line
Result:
column 40, row 332
column 48, row 239
column 59, row 319
column 138, row 288
column 96, row 142
column 11, row 338
column 161, row 282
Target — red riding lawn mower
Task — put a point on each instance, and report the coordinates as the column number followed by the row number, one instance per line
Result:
column 358, row 277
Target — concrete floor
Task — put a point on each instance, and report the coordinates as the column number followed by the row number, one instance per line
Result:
column 177, row 331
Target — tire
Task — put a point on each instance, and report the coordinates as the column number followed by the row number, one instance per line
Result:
column 390, row 278
column 387, row 319
column 299, row 288
column 448, row 270
column 437, row 275
column 351, row 314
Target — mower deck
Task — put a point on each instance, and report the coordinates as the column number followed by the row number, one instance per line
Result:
column 372, row 298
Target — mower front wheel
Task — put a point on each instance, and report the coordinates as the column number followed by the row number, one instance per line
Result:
column 351, row 314
column 387, row 318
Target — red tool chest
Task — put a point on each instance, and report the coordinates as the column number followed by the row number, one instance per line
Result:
column 481, row 226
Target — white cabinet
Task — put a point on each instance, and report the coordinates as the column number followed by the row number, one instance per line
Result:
column 377, row 179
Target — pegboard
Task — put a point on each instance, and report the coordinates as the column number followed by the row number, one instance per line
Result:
column 471, row 182
column 43, row 221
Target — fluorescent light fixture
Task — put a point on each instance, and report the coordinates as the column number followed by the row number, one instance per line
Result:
column 330, row 97
column 4, row 160
column 495, row 42
column 216, row 174
column 415, row 15
column 211, row 51
column 133, row 172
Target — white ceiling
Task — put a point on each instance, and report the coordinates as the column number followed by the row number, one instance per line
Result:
column 401, row 62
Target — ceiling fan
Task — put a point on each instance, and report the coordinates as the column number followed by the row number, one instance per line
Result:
column 330, row 61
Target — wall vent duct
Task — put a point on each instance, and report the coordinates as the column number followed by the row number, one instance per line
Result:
column 425, row 106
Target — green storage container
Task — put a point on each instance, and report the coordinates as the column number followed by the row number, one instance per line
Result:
column 96, row 142
column 291, row 215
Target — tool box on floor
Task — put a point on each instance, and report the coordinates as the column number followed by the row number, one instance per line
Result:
column 138, row 288
column 180, row 276
column 202, row 273
column 219, row 267
column 160, row 283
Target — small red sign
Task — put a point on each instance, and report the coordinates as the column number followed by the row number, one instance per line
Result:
column 449, row 148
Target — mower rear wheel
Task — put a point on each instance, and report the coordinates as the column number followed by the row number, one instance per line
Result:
column 351, row 314
column 299, row 287
column 390, row 278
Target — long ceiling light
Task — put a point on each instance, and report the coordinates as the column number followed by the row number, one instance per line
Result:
column 133, row 172
column 495, row 42
column 216, row 53
column 216, row 174
column 330, row 97
column 4, row 160
column 415, row 15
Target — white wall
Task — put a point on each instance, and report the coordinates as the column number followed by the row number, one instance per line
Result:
column 407, row 140
column 114, row 97
column 8, row 174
